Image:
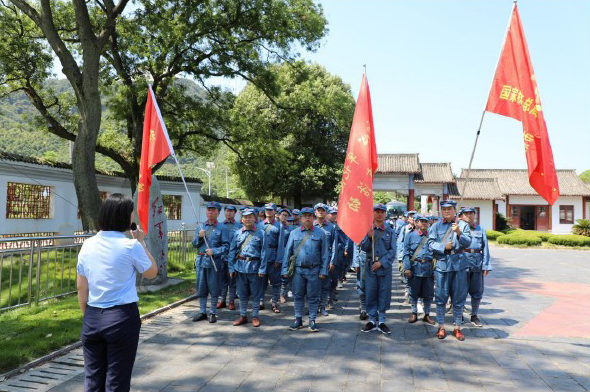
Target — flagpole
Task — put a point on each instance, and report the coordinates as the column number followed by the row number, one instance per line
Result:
column 193, row 205
column 482, row 116
column 471, row 160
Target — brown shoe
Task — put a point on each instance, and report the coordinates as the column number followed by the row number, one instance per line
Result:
column 428, row 320
column 231, row 306
column 220, row 304
column 241, row 321
column 255, row 322
column 458, row 334
column 413, row 318
column 441, row 334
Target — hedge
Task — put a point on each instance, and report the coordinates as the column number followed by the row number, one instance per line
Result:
column 570, row 240
column 519, row 238
column 493, row 235
column 544, row 236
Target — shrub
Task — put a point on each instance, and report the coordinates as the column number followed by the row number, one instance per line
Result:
column 582, row 227
column 544, row 236
column 501, row 222
column 570, row 240
column 520, row 238
column 493, row 235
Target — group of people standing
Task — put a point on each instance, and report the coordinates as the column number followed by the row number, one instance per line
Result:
column 305, row 252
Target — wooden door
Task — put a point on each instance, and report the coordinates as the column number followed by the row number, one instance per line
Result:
column 515, row 215
column 542, row 221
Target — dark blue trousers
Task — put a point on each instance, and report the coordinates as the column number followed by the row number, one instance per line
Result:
column 109, row 340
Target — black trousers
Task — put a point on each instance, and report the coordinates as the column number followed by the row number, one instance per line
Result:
column 109, row 339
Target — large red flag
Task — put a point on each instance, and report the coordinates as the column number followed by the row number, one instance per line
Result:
column 514, row 94
column 155, row 147
column 355, row 205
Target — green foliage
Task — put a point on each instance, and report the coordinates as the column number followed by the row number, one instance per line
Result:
column 493, row 235
column 383, row 197
column 582, row 227
column 570, row 240
column 585, row 176
column 543, row 235
column 296, row 147
column 518, row 238
column 501, row 222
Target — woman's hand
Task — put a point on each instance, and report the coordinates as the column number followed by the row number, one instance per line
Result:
column 139, row 235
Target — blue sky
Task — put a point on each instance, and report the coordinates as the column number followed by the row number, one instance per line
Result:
column 430, row 66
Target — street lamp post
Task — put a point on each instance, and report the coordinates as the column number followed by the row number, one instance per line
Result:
column 208, row 175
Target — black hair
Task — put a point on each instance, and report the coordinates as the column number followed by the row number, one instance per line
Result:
column 115, row 213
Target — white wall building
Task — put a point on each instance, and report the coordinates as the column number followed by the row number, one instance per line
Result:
column 38, row 197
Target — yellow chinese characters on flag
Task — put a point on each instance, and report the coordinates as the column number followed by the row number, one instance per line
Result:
column 355, row 203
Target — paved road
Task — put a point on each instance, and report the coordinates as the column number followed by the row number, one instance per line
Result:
column 530, row 342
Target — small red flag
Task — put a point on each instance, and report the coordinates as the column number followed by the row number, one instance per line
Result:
column 155, row 147
column 355, row 204
column 515, row 94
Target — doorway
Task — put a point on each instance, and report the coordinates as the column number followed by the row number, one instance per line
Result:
column 527, row 217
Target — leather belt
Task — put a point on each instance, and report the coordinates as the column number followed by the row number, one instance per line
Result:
column 308, row 266
column 423, row 261
column 453, row 252
column 249, row 258
column 272, row 247
column 201, row 254
column 473, row 251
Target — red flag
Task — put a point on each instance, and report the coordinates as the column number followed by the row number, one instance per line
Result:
column 155, row 147
column 515, row 94
column 355, row 205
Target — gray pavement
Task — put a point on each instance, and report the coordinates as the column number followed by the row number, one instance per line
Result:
column 179, row 355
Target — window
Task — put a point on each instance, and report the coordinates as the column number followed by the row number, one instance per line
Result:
column 172, row 206
column 476, row 215
column 566, row 214
column 27, row 201
column 515, row 211
column 103, row 197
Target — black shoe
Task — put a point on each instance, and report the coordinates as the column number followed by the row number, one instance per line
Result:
column 200, row 317
column 261, row 306
column 368, row 327
column 363, row 315
column 212, row 318
column 313, row 327
column 297, row 324
column 384, row 328
column 475, row 321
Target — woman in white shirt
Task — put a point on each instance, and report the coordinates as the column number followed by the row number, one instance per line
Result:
column 107, row 268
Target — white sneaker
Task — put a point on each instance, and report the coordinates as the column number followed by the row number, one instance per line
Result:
column 290, row 294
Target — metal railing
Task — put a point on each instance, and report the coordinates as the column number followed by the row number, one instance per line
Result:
column 35, row 269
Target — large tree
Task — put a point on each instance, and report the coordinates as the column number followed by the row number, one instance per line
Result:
column 101, row 49
column 296, row 142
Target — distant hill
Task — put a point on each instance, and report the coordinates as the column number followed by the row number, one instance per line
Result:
column 20, row 133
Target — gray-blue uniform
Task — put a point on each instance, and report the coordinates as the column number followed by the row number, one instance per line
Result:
column 478, row 256
column 422, row 281
column 451, row 266
column 274, row 255
column 378, row 283
column 286, row 282
column 312, row 261
column 246, row 257
column 228, row 283
column 401, row 236
column 207, row 279
column 330, row 231
column 358, row 261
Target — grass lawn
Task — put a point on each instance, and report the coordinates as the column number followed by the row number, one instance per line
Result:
column 30, row 332
column 544, row 245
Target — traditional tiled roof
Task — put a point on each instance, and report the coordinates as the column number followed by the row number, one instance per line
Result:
column 398, row 163
column 435, row 173
column 476, row 189
column 6, row 156
column 516, row 181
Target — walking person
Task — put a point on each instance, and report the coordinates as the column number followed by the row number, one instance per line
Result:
column 106, row 272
